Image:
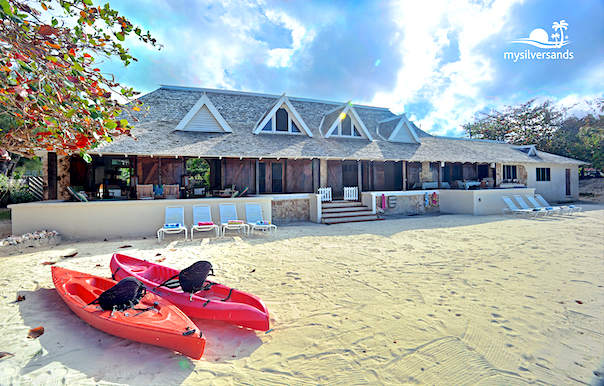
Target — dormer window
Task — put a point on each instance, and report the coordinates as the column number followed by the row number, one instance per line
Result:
column 346, row 129
column 281, row 123
column 282, row 118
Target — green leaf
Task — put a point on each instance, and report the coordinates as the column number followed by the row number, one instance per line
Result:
column 110, row 125
column 85, row 156
column 88, row 3
column 123, row 123
column 120, row 36
column 70, row 113
column 6, row 7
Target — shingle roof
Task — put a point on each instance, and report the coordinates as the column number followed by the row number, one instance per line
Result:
column 155, row 135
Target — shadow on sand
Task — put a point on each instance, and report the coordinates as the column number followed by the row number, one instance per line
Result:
column 105, row 358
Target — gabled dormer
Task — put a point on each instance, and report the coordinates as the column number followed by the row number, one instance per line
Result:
column 397, row 129
column 204, row 117
column 344, row 122
column 282, row 118
column 529, row 150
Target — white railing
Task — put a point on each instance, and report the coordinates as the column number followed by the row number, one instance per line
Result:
column 351, row 193
column 325, row 194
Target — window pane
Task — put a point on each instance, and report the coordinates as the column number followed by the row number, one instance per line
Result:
column 277, row 177
column 295, row 128
column 346, row 126
column 262, row 177
column 356, row 132
column 281, row 117
column 268, row 126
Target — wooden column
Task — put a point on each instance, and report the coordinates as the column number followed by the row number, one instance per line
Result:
column 257, row 179
column 222, row 170
column 440, row 176
column 52, row 175
column 359, row 177
column 405, row 175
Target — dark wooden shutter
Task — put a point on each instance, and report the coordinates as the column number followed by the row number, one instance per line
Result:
column 334, row 179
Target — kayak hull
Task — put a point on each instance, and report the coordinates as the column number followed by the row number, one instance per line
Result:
column 219, row 302
column 163, row 325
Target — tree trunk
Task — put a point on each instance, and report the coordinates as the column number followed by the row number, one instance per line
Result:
column 8, row 167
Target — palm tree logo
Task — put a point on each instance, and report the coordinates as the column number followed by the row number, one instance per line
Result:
column 561, row 26
column 540, row 38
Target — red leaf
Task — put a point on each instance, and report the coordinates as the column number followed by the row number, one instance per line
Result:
column 72, row 255
column 578, row 301
column 48, row 262
column 35, row 332
column 46, row 30
column 20, row 298
column 126, row 246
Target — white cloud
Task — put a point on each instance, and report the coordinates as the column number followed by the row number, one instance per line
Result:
column 451, row 90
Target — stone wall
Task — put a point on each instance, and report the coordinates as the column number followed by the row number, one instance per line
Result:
column 291, row 210
column 410, row 204
column 426, row 174
column 522, row 174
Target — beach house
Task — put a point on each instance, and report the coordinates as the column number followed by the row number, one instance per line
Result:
column 284, row 149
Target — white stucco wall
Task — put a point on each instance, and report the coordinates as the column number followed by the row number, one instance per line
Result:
column 555, row 189
column 105, row 219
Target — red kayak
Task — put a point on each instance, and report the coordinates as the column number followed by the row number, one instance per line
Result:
column 156, row 321
column 215, row 301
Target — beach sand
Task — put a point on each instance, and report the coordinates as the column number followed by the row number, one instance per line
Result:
column 417, row 300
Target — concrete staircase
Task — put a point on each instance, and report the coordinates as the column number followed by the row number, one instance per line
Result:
column 336, row 212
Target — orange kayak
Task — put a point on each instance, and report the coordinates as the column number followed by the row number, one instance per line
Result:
column 215, row 301
column 162, row 325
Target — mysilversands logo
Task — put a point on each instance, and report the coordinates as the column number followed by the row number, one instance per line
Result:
column 540, row 38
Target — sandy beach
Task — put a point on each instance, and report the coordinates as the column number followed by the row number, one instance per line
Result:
column 416, row 300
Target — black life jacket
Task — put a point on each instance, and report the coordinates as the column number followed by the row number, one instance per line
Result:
column 192, row 278
column 122, row 296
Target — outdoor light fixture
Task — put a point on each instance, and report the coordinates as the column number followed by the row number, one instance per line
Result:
column 493, row 165
column 260, row 159
column 442, row 164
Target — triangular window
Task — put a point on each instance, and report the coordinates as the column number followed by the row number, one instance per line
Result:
column 282, row 118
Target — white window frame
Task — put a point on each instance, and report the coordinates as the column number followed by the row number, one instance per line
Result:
column 512, row 167
column 290, row 121
column 338, row 131
column 546, row 174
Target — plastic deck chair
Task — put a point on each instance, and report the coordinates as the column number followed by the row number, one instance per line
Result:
column 524, row 205
column 570, row 209
column 555, row 209
column 202, row 220
column 229, row 220
column 174, row 222
column 514, row 210
column 253, row 217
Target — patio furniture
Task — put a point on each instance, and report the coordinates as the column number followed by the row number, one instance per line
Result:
column 172, row 191
column 144, row 192
column 174, row 222
column 229, row 220
column 524, row 205
column 202, row 220
column 534, row 203
column 568, row 208
column 514, row 210
column 253, row 216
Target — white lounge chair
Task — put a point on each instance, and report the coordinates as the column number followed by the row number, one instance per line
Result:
column 555, row 209
column 524, row 205
column 174, row 222
column 570, row 209
column 202, row 220
column 514, row 210
column 253, row 217
column 229, row 220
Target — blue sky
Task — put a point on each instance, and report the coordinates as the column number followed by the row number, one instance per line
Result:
column 441, row 62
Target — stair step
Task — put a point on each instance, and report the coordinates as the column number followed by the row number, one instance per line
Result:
column 340, row 204
column 355, row 213
column 341, row 220
column 344, row 209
